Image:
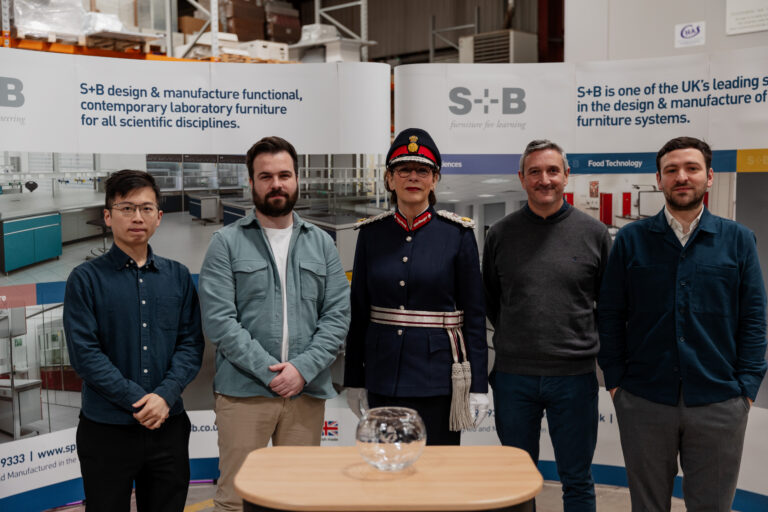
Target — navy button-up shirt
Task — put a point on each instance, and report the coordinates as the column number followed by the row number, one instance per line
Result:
column 692, row 316
column 131, row 331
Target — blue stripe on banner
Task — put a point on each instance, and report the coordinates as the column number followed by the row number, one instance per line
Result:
column 50, row 293
column 581, row 163
column 480, row 164
column 635, row 163
column 45, row 497
column 745, row 501
column 204, row 469
column 724, row 160
column 612, row 163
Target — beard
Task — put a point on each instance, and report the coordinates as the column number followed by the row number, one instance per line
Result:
column 271, row 209
column 684, row 203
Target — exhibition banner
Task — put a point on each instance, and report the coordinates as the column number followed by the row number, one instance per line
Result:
column 76, row 104
column 594, row 107
column 611, row 117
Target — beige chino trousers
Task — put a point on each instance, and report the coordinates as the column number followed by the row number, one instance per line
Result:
column 247, row 423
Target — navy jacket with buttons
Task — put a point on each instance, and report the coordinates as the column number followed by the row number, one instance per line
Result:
column 131, row 331
column 693, row 316
column 432, row 268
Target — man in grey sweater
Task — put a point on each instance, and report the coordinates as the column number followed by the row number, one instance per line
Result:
column 542, row 268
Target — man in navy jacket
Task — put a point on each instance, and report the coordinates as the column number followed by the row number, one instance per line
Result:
column 682, row 320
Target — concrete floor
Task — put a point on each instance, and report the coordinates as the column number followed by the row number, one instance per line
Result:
column 609, row 499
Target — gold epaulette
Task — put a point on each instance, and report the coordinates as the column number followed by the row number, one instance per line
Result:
column 369, row 220
column 464, row 221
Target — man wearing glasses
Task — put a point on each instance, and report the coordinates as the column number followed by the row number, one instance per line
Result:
column 276, row 305
column 132, row 324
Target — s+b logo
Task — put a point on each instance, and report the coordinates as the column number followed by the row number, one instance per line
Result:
column 511, row 100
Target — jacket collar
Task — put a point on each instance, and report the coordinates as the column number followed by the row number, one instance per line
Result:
column 707, row 222
column 419, row 221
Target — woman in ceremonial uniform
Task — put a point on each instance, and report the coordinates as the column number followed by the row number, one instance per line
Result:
column 417, row 337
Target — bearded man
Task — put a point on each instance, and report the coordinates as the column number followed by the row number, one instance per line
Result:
column 272, row 376
column 682, row 339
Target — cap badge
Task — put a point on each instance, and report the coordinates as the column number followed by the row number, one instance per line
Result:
column 413, row 147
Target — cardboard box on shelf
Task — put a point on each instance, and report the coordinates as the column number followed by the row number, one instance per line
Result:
column 190, row 25
column 266, row 50
column 246, row 29
column 240, row 9
column 284, row 33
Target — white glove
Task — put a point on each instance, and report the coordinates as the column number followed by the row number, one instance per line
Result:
column 357, row 399
column 478, row 407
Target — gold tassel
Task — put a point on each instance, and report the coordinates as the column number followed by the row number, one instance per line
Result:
column 461, row 378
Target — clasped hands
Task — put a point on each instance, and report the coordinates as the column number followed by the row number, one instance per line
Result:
column 288, row 382
column 153, row 411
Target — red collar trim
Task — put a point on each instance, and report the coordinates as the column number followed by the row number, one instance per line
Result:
column 418, row 222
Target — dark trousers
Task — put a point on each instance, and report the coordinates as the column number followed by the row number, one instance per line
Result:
column 708, row 440
column 113, row 457
column 571, row 405
column 435, row 411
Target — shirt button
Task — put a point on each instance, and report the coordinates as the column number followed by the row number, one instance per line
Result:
column 399, row 332
column 682, row 339
column 141, row 280
column 402, row 283
column 144, row 324
column 126, row 264
column 146, row 371
column 408, row 238
column 143, row 302
column 144, row 347
column 405, row 259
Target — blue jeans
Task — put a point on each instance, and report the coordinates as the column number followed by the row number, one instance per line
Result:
column 571, row 405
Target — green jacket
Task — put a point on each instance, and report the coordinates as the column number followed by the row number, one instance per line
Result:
column 242, row 307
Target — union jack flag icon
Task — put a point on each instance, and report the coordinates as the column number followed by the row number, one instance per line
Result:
column 330, row 429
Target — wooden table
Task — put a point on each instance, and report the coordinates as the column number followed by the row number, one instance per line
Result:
column 323, row 479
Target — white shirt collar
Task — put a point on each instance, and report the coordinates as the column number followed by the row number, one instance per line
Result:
column 678, row 228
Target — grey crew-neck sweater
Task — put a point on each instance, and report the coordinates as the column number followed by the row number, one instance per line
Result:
column 542, row 278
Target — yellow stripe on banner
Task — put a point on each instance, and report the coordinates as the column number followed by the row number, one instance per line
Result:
column 752, row 160
column 199, row 507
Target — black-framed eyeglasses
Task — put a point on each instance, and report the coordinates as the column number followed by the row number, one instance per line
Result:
column 421, row 172
column 147, row 210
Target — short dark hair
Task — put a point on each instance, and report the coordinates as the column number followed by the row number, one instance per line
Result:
column 685, row 143
column 121, row 183
column 541, row 145
column 271, row 145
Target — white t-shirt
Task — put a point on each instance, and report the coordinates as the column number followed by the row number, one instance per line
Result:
column 279, row 240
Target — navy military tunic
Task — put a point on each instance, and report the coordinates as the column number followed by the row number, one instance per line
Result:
column 432, row 267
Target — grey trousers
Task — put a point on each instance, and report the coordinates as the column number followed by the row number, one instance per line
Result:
column 708, row 438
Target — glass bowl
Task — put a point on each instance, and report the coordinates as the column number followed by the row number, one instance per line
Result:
column 391, row 438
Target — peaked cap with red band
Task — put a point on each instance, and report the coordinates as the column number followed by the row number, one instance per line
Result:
column 414, row 145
